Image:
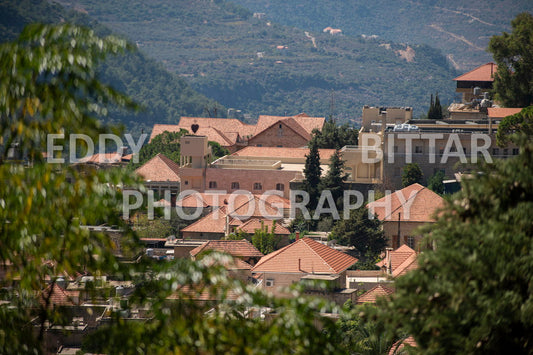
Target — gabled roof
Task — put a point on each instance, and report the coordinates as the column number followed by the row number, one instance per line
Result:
column 59, row 296
column 371, row 295
column 414, row 203
column 251, row 225
column 305, row 256
column 214, row 222
column 239, row 248
column 402, row 260
column 484, row 72
column 292, row 124
column 303, row 120
column 159, row 168
column 501, row 112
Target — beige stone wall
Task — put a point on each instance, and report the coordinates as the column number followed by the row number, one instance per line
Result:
column 407, row 229
column 278, row 135
column 248, row 180
column 420, row 154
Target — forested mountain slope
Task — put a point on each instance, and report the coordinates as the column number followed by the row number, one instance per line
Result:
column 261, row 67
column 163, row 96
column 461, row 29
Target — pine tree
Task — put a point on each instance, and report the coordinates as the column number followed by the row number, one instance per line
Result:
column 312, row 172
column 335, row 178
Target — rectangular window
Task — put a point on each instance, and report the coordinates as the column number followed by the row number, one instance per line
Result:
column 505, row 151
column 395, row 149
column 411, row 242
column 418, row 149
column 234, row 185
column 258, row 186
column 495, row 151
column 280, row 187
column 515, row 151
column 212, row 184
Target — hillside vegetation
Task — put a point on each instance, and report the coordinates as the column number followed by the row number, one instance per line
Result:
column 261, row 67
column 163, row 96
column 461, row 29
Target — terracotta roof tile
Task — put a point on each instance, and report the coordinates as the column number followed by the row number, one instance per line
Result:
column 102, row 158
column 305, row 256
column 402, row 260
column 400, row 345
column 371, row 295
column 59, row 296
column 254, row 224
column 414, row 203
column 484, row 72
column 159, row 168
column 501, row 112
column 303, row 120
column 239, row 248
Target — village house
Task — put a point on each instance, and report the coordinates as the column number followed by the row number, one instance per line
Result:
column 233, row 134
column 306, row 259
column 404, row 211
column 160, row 174
column 398, row 262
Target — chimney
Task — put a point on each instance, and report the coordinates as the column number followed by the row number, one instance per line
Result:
column 297, row 235
column 388, row 259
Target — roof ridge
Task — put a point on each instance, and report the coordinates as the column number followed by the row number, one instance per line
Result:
column 316, row 253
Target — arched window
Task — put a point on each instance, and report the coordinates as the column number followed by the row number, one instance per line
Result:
column 234, row 185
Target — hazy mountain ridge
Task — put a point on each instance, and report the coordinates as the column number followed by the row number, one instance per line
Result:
column 164, row 97
column 460, row 29
column 261, row 67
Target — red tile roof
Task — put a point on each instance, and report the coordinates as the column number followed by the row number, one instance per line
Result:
column 371, row 295
column 414, row 203
column 159, row 168
column 239, row 248
column 303, row 120
column 501, row 112
column 222, row 130
column 484, row 72
column 254, row 224
column 305, row 256
column 400, row 345
column 58, row 296
column 102, row 158
column 402, row 260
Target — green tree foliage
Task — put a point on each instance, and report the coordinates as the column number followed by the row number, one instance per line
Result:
column 334, row 179
column 232, row 325
column 435, row 182
column 49, row 86
column 266, row 242
column 361, row 232
column 363, row 335
column 411, row 174
column 521, row 122
column 513, row 52
column 334, row 136
column 312, row 173
column 473, row 294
